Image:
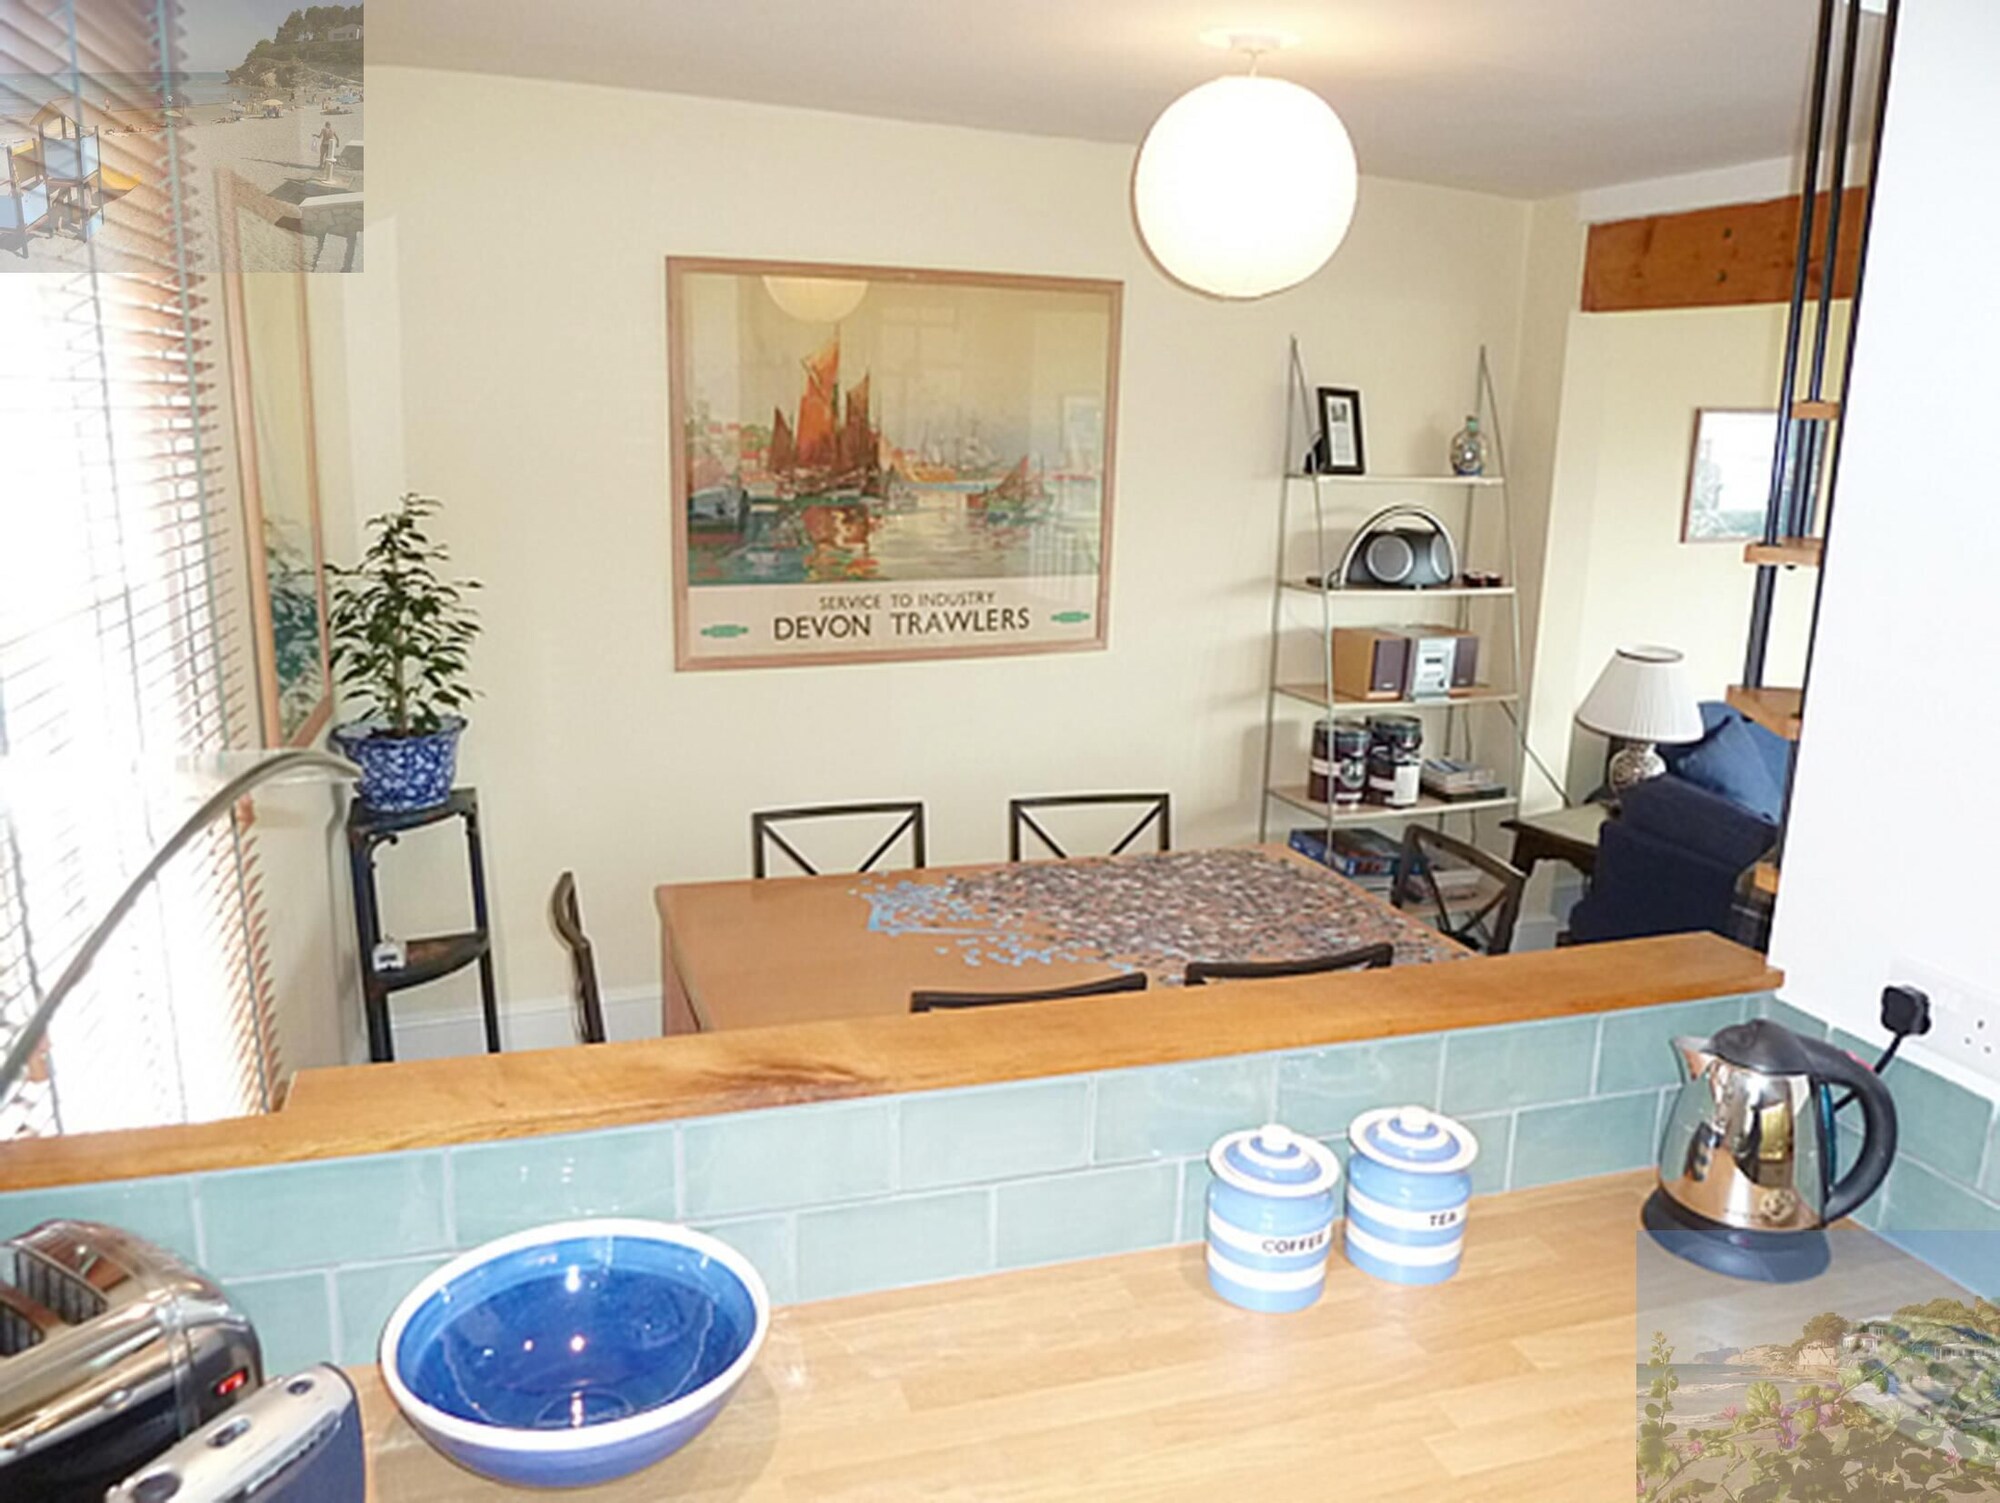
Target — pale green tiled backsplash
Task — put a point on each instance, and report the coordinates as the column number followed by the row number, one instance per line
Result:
column 841, row 1198
column 1941, row 1202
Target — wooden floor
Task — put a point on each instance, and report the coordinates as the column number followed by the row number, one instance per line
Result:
column 1125, row 1378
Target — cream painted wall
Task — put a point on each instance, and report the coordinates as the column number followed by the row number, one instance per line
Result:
column 527, row 338
column 1886, row 871
column 1615, row 570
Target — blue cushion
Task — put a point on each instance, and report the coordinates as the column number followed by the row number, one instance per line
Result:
column 1732, row 762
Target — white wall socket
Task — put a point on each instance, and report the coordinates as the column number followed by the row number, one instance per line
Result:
column 1965, row 1020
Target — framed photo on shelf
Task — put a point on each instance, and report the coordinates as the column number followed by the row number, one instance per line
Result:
column 1729, row 474
column 1339, row 451
column 885, row 463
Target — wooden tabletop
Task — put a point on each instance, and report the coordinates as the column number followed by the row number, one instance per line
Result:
column 749, row 954
column 1126, row 1378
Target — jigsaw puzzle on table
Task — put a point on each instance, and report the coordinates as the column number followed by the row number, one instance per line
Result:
column 1149, row 913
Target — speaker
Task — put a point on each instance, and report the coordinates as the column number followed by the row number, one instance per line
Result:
column 1408, row 557
column 1370, row 662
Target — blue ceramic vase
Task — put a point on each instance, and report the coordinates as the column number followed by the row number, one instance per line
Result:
column 400, row 774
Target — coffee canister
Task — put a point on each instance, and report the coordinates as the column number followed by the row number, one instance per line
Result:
column 1271, row 1208
column 1407, row 1191
column 1395, row 759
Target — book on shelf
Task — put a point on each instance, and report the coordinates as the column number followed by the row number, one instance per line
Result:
column 1455, row 781
column 1354, row 851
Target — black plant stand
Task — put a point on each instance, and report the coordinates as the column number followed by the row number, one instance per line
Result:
column 428, row 958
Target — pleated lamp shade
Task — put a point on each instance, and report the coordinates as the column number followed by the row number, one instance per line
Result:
column 1643, row 694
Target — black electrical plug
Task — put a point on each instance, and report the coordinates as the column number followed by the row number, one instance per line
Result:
column 1905, row 1010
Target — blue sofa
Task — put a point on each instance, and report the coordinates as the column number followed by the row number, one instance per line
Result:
column 1669, row 861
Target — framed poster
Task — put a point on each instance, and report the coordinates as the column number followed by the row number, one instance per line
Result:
column 270, row 371
column 879, row 464
column 1729, row 474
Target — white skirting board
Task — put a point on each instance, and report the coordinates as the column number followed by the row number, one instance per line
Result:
column 544, row 1023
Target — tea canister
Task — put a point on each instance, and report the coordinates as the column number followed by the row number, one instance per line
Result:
column 1271, row 1208
column 1407, row 1190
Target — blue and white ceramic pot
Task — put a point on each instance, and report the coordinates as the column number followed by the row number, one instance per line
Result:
column 402, row 773
column 1270, row 1218
column 1407, row 1192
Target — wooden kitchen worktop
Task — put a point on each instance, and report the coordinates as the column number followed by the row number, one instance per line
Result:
column 1125, row 1378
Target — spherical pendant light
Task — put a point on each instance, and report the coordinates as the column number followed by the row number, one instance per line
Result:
column 816, row 300
column 1245, row 186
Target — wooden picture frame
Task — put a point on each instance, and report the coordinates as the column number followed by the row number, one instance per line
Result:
column 1340, row 449
column 1729, row 474
column 948, row 494
column 269, row 345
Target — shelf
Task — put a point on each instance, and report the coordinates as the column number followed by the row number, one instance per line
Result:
column 1777, row 710
column 1479, row 481
column 1790, row 553
column 1455, row 592
column 1816, row 412
column 431, row 958
column 1314, row 694
column 1294, row 794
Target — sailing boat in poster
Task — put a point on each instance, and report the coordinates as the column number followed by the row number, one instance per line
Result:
column 928, row 476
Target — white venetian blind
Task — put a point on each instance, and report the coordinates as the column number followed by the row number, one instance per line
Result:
column 119, row 647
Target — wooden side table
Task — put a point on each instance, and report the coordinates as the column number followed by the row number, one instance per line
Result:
column 1558, row 835
column 434, row 956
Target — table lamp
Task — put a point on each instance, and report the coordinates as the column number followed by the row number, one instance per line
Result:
column 1643, row 697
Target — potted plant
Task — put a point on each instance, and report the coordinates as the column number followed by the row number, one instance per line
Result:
column 399, row 637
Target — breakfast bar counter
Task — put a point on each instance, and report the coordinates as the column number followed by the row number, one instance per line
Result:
column 1125, row 1377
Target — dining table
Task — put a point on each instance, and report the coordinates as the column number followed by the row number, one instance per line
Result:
column 754, row 953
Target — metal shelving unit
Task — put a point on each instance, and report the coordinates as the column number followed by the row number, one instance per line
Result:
column 1331, row 524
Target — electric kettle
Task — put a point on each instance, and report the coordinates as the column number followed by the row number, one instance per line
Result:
column 1747, row 1161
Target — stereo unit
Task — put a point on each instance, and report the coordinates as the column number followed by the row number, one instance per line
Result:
column 1406, row 558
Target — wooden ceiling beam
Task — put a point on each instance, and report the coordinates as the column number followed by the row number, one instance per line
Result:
column 1714, row 258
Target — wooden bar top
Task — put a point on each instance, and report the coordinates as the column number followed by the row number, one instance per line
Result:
column 360, row 1109
column 1126, row 1378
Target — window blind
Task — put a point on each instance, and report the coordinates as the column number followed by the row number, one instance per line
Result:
column 121, row 636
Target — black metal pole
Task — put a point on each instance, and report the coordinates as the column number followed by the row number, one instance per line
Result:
column 1764, row 593
column 1882, row 71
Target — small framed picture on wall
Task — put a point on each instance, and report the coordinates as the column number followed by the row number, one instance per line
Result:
column 1339, row 450
column 1729, row 474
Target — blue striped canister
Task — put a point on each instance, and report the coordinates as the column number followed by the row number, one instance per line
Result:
column 1270, row 1218
column 1407, row 1190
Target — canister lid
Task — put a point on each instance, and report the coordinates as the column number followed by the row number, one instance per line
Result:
column 1274, row 1160
column 1413, row 1138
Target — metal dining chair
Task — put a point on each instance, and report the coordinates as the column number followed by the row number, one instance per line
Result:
column 1487, row 928
column 764, row 833
column 1131, row 981
column 1157, row 807
column 1375, row 957
column 567, row 917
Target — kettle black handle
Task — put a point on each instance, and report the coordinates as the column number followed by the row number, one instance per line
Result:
column 1878, row 1113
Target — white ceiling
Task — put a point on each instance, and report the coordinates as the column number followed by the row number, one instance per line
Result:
column 1520, row 97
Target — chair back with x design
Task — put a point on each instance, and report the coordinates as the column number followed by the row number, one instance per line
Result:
column 1488, row 927
column 1156, row 812
column 765, row 834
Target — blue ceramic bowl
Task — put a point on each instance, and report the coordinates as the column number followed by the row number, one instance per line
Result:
column 572, row 1354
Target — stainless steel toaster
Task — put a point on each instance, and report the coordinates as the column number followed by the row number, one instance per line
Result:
column 111, row 1350
column 296, row 1441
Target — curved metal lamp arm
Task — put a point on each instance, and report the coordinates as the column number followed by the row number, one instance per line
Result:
column 22, row 1049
